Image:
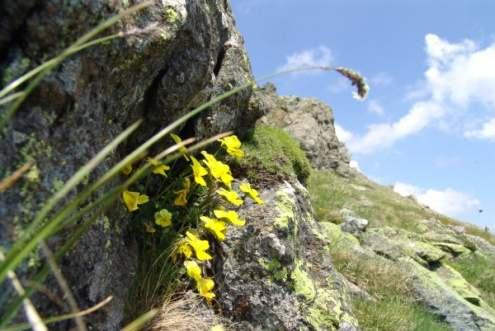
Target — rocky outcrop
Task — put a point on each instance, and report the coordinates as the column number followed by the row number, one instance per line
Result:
column 276, row 273
column 311, row 123
column 435, row 284
column 177, row 54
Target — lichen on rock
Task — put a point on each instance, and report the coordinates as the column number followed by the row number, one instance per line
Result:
column 281, row 277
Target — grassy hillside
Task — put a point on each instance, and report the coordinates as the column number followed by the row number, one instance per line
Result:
column 393, row 305
column 379, row 204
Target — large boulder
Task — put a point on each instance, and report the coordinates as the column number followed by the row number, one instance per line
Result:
column 177, row 54
column 276, row 273
column 310, row 122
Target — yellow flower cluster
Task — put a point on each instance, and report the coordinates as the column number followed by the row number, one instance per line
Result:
column 207, row 172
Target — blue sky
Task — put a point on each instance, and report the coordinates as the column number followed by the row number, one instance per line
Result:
column 428, row 125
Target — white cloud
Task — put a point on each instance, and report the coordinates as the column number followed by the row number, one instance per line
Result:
column 458, row 75
column 448, row 201
column 375, row 107
column 342, row 134
column 487, row 131
column 355, row 165
column 314, row 57
column 386, row 134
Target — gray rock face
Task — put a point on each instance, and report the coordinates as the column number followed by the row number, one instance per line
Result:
column 190, row 52
column 276, row 273
column 311, row 122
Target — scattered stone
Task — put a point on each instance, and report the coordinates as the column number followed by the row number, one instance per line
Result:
column 354, row 225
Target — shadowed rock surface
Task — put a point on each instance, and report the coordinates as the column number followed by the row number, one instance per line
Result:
column 182, row 52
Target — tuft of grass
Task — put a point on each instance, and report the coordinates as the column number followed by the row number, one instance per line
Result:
column 185, row 312
column 394, row 314
column 479, row 271
column 329, row 194
column 273, row 153
column 395, row 308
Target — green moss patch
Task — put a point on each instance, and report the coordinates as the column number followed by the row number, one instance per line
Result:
column 278, row 272
column 302, row 283
column 271, row 153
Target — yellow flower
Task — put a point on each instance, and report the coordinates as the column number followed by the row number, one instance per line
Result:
column 253, row 194
column 233, row 146
column 185, row 249
column 230, row 196
column 218, row 327
column 199, row 246
column 193, row 270
column 183, row 149
column 198, row 171
column 133, row 199
column 216, row 227
column 230, row 216
column 205, row 287
column 127, row 169
column 158, row 167
column 163, row 218
column 181, row 199
column 218, row 169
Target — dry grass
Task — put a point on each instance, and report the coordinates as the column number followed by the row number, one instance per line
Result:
column 184, row 312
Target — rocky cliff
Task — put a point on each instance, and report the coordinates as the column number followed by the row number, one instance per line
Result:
column 329, row 249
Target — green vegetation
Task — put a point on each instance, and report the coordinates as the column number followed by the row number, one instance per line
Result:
column 272, row 153
column 395, row 308
column 478, row 270
column 380, row 205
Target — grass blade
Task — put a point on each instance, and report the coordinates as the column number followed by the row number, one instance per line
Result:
column 32, row 315
column 13, row 258
column 141, row 321
column 72, row 48
column 64, row 286
column 25, row 326
column 38, row 73
column 100, row 206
